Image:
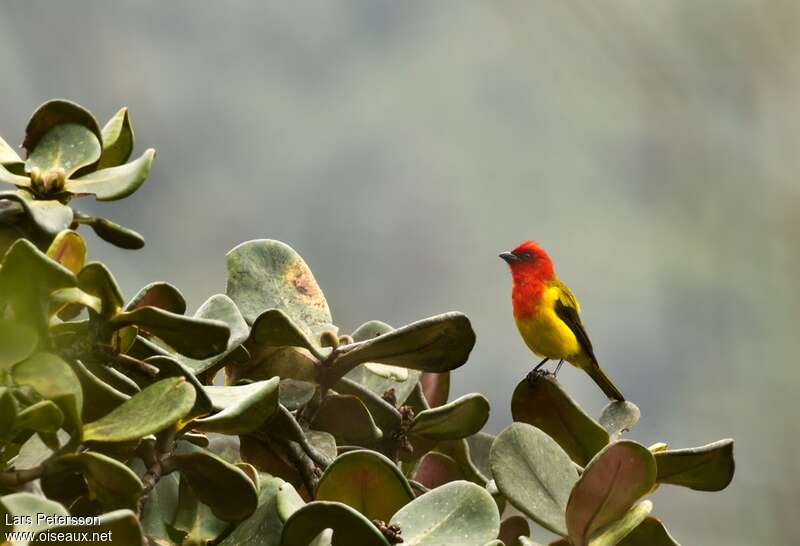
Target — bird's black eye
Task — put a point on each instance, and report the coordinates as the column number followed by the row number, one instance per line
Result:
column 527, row 255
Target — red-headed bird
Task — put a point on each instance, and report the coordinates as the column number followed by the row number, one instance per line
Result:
column 547, row 315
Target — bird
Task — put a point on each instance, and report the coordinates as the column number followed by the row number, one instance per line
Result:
column 547, row 315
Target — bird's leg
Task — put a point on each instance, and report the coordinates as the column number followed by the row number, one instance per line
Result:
column 560, row 363
column 536, row 372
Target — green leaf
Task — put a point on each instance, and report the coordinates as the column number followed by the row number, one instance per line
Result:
column 194, row 522
column 263, row 527
column 456, row 513
column 193, row 337
column 118, row 140
column 10, row 178
column 295, row 394
column 159, row 294
column 512, row 528
column 68, row 249
column 169, row 367
column 288, row 501
column 114, row 233
column 104, row 397
column 355, row 477
column 8, row 416
column 121, row 525
column 458, row 419
column 224, row 487
column 460, row 452
column 57, row 112
column 651, row 532
column 115, row 182
column 96, row 279
column 153, row 409
column 159, row 509
column 347, row 418
column 619, row 416
column 534, row 474
column 265, row 274
column 349, row 526
column 7, row 154
column 69, row 147
column 480, row 445
column 54, row 380
column 17, row 342
column 25, row 505
column 436, row 344
column 43, row 416
column 611, row 483
column 27, row 277
column 384, row 414
column 617, row 530
column 545, row 405
column 62, row 298
column 112, row 483
column 240, row 409
column 707, row 468
column 219, row 308
column 274, row 328
column 41, row 219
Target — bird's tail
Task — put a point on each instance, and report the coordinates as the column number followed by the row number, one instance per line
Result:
column 602, row 380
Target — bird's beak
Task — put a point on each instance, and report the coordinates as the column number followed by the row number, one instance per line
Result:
column 509, row 257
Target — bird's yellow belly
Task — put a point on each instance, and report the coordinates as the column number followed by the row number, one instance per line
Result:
column 548, row 336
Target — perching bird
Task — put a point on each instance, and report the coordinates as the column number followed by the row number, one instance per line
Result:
column 547, row 315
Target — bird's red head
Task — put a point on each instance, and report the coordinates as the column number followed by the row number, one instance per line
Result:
column 531, row 268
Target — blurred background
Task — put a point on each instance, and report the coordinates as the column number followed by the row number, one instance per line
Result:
column 653, row 148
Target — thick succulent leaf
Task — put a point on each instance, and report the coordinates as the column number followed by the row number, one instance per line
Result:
column 274, row 328
column 8, row 415
column 115, row 182
column 707, row 468
column 324, row 538
column 57, row 112
column 512, row 528
column 153, row 409
column 122, row 525
column 68, row 249
column 349, row 526
column 241, row 409
column 17, row 342
column 436, row 344
column 64, row 299
column 610, row 484
column 651, row 532
column 384, row 414
column 347, row 418
column 284, row 362
column 169, row 367
column 265, row 274
column 618, row 417
column 193, row 337
column 268, row 456
column 480, row 445
column 370, row 330
column 118, row 140
column 23, row 506
column 68, row 146
column 459, row 451
column 435, row 388
column 263, row 527
column 617, row 530
column 159, row 294
column 288, row 501
column 195, row 523
column 355, row 477
column 114, row 233
column 112, row 483
column 43, row 416
column 458, row 419
column 220, row 308
column 104, row 397
column 437, row 469
column 295, row 394
column 10, row 178
column 224, row 487
column 54, row 380
column 534, row 473
column 456, row 513
column 27, row 277
column 545, row 405
column 96, row 279
column 159, row 509
column 7, row 154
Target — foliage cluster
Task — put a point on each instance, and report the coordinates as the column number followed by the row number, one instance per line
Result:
column 254, row 421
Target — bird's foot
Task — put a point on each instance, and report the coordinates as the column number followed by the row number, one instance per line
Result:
column 534, row 375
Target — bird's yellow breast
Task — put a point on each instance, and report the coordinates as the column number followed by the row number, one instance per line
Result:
column 545, row 333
